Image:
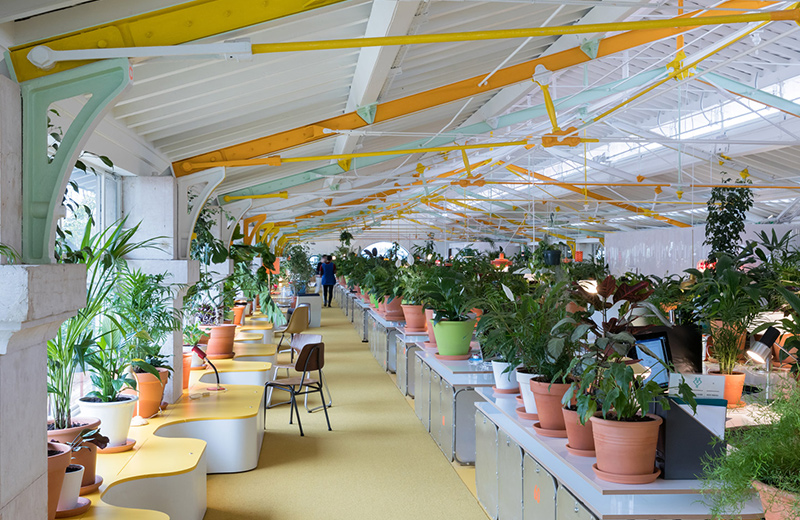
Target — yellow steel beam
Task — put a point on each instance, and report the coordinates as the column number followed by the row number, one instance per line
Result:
column 462, row 89
column 171, row 26
column 255, row 222
column 590, row 194
column 277, row 160
column 416, row 39
column 281, row 195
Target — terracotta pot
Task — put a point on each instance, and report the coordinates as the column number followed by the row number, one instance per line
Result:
column 86, row 457
column 429, row 323
column 415, row 318
column 478, row 313
column 394, row 308
column 573, row 307
column 548, row 403
column 56, row 470
column 187, row 367
column 504, row 380
column 626, row 451
column 579, row 436
column 150, row 391
column 220, row 343
column 777, row 504
column 70, row 488
column 382, row 306
column 524, row 382
column 238, row 314
column 734, row 384
column 115, row 417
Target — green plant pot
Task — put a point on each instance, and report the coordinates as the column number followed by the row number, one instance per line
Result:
column 552, row 257
column 453, row 337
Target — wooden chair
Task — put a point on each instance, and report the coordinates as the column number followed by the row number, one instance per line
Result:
column 298, row 322
column 311, row 359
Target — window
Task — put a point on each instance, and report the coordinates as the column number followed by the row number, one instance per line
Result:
column 382, row 248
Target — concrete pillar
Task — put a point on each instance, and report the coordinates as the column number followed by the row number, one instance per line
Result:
column 10, row 164
column 36, row 300
column 153, row 202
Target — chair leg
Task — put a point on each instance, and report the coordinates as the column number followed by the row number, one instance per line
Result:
column 297, row 411
column 324, row 383
column 325, row 409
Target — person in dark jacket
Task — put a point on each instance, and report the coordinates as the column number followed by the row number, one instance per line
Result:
column 328, row 269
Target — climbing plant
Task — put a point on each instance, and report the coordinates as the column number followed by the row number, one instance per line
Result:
column 727, row 209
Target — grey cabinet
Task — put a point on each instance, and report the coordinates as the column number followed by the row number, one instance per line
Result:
column 509, row 477
column 570, row 508
column 538, row 491
column 486, row 463
column 423, row 388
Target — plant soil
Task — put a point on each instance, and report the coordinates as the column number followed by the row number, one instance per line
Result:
column 98, row 400
column 73, row 467
column 51, row 426
column 613, row 417
column 52, row 453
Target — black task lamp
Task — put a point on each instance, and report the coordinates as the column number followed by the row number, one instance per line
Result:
column 761, row 352
column 202, row 355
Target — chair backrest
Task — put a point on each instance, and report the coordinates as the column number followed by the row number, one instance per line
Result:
column 301, row 340
column 311, row 358
column 298, row 321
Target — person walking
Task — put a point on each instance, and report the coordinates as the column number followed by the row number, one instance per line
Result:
column 328, row 269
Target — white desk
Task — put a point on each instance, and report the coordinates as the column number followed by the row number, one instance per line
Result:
column 507, row 448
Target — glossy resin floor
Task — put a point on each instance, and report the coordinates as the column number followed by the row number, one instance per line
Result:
column 377, row 463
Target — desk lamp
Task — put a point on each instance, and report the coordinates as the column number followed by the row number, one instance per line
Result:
column 202, row 355
column 761, row 352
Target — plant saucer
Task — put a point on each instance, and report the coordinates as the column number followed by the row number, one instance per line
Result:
column 82, row 507
column 430, row 346
column 118, row 449
column 98, row 481
column 626, row 479
column 519, row 399
column 462, row 357
column 527, row 416
column 581, row 453
column 559, row 434
column 505, row 390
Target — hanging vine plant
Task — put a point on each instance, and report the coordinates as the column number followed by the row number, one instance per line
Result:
column 727, row 209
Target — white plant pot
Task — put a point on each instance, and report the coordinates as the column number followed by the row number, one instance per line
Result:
column 70, row 489
column 504, row 381
column 524, row 381
column 115, row 418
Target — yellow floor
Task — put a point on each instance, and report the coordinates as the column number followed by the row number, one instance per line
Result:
column 377, row 463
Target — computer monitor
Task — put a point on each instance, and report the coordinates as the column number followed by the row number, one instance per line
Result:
column 653, row 351
column 685, row 344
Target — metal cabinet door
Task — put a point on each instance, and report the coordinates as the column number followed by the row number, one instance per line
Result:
column 509, row 478
column 486, row 463
column 436, row 409
column 464, row 447
column 570, row 508
column 422, row 402
column 538, row 491
column 392, row 347
column 413, row 367
column 447, row 411
column 401, row 370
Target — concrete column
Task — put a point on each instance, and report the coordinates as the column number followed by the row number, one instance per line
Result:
column 36, row 300
column 153, row 202
column 10, row 164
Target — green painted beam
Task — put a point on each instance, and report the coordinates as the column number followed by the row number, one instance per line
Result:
column 520, row 116
column 45, row 179
column 753, row 93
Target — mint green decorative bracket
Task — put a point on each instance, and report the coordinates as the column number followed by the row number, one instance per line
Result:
column 367, row 113
column 44, row 181
column 591, row 47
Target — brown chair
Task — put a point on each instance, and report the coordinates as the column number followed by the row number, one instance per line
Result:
column 311, row 359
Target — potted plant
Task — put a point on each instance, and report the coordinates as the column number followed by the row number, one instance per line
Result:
column 550, row 253
column 618, row 305
column 109, row 360
column 625, row 435
column 765, row 458
column 299, row 267
column 726, row 212
column 728, row 299
column 143, row 307
column 58, row 457
column 452, row 326
column 413, row 279
column 203, row 301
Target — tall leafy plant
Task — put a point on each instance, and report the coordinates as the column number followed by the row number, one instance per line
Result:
column 727, row 210
column 102, row 253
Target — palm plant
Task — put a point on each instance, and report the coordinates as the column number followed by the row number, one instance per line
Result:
column 102, row 254
column 108, row 359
